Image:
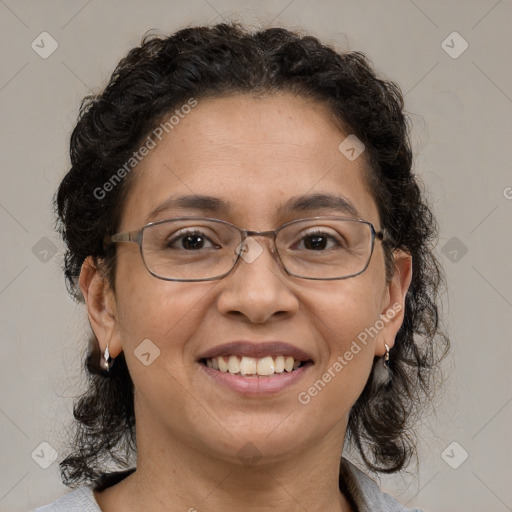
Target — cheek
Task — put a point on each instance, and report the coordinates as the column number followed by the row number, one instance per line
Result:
column 343, row 316
column 344, row 309
column 164, row 312
column 159, row 318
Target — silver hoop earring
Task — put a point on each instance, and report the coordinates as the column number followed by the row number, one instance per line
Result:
column 107, row 360
column 386, row 356
column 382, row 371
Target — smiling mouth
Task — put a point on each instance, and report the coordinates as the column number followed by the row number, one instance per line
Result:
column 254, row 367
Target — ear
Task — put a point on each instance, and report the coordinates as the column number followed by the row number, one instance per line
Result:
column 101, row 307
column 393, row 310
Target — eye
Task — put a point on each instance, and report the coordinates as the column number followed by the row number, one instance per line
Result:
column 190, row 240
column 319, row 240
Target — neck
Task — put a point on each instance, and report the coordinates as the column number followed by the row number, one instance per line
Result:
column 177, row 476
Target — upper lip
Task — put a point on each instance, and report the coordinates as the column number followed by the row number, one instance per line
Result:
column 256, row 350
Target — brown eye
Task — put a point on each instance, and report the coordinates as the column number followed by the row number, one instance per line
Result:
column 319, row 240
column 315, row 242
column 191, row 241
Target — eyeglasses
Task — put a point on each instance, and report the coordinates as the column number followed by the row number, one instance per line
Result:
column 205, row 249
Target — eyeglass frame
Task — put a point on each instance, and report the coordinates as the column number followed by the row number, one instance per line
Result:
column 137, row 238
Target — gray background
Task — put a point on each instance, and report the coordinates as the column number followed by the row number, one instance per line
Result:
column 460, row 108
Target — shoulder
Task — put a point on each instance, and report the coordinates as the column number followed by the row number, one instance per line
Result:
column 79, row 500
column 82, row 499
column 366, row 493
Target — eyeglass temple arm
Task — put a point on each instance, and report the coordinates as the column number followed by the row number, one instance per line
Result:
column 385, row 237
column 122, row 237
column 132, row 236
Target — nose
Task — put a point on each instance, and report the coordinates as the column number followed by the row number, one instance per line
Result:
column 257, row 289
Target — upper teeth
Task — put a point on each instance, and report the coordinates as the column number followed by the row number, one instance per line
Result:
column 253, row 366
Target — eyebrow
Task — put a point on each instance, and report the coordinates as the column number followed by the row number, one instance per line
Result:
column 191, row 202
column 312, row 202
column 214, row 205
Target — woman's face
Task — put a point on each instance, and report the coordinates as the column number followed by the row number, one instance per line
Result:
column 255, row 155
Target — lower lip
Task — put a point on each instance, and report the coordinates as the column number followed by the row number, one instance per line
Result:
column 255, row 385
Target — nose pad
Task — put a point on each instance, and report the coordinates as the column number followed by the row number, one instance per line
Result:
column 249, row 250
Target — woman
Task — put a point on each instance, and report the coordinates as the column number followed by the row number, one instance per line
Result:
column 255, row 256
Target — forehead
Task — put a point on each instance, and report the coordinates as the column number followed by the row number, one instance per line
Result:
column 255, row 154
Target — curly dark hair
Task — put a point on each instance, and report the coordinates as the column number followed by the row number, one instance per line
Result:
column 212, row 61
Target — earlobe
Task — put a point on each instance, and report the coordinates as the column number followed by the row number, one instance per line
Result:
column 394, row 307
column 100, row 304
